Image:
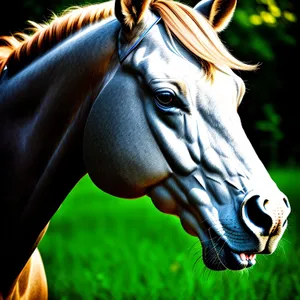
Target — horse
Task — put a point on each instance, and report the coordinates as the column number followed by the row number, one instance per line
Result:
column 142, row 96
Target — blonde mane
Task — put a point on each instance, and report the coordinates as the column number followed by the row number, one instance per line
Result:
column 197, row 35
column 21, row 48
column 189, row 27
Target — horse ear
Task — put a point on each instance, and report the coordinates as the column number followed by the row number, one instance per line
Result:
column 130, row 12
column 218, row 12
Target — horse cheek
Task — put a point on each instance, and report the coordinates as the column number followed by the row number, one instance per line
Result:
column 120, row 153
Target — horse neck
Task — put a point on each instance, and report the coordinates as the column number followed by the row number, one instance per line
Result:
column 43, row 109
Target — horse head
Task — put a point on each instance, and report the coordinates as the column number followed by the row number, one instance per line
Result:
column 166, row 125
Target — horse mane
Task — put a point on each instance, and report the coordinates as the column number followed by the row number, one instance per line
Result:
column 20, row 49
column 195, row 32
column 188, row 26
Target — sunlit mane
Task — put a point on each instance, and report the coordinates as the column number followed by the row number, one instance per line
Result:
column 196, row 34
column 21, row 48
column 188, row 26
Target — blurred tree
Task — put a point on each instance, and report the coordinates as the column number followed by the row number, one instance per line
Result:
column 273, row 134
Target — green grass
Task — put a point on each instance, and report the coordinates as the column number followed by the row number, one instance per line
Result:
column 101, row 247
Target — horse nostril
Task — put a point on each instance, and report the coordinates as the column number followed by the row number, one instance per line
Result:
column 266, row 203
column 286, row 202
column 256, row 214
column 284, row 223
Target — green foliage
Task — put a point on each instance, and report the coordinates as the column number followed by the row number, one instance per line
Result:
column 101, row 247
column 262, row 24
column 273, row 134
column 271, row 124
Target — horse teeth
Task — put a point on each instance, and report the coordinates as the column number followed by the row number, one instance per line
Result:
column 243, row 256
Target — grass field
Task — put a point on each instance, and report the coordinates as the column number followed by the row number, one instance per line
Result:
column 101, row 247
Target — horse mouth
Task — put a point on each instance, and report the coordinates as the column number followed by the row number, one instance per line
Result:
column 218, row 256
column 225, row 259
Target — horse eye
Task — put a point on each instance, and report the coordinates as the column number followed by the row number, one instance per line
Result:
column 165, row 98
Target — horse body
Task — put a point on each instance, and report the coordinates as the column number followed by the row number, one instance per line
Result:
column 43, row 110
column 127, row 103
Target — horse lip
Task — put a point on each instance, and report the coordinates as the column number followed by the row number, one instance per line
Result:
column 219, row 256
column 229, row 260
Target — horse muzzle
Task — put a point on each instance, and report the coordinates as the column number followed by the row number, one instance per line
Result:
column 231, row 232
column 266, row 218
